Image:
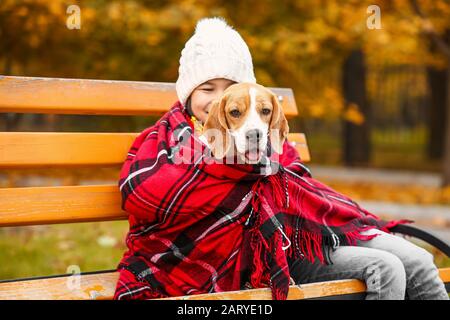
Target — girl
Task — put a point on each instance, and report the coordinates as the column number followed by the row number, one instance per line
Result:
column 193, row 230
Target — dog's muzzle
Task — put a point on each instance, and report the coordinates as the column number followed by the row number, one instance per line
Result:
column 253, row 150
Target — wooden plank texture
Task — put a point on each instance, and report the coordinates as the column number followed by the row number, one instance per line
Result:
column 102, row 286
column 296, row 292
column 98, row 286
column 41, row 149
column 67, row 204
column 106, row 97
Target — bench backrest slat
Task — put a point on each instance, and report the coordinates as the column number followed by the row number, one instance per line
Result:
column 67, row 204
column 82, row 96
column 37, row 149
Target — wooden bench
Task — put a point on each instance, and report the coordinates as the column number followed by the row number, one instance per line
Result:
column 26, row 206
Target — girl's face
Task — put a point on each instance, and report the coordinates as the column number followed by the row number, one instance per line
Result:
column 205, row 94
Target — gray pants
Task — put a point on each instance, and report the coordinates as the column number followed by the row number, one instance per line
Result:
column 389, row 265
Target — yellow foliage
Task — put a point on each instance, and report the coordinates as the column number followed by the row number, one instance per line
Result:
column 154, row 39
column 299, row 44
column 114, row 11
column 445, row 194
column 22, row 12
column 56, row 7
column 352, row 114
column 333, row 99
column 316, row 110
column 34, row 41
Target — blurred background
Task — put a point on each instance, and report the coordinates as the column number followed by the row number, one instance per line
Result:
column 371, row 81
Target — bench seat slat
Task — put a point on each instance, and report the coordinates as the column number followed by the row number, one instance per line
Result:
column 40, row 149
column 98, row 97
column 296, row 292
column 102, row 286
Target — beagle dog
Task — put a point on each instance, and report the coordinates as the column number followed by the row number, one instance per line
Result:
column 245, row 118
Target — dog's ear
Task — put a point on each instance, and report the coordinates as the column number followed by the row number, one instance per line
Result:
column 216, row 129
column 278, row 127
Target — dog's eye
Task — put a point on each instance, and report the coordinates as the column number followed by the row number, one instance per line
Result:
column 235, row 113
column 265, row 111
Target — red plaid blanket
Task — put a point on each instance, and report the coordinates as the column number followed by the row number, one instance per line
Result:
column 197, row 226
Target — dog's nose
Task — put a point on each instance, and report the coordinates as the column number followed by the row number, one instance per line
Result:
column 253, row 134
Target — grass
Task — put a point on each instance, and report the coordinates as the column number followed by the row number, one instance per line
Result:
column 50, row 250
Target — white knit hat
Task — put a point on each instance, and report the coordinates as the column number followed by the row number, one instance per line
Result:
column 215, row 50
